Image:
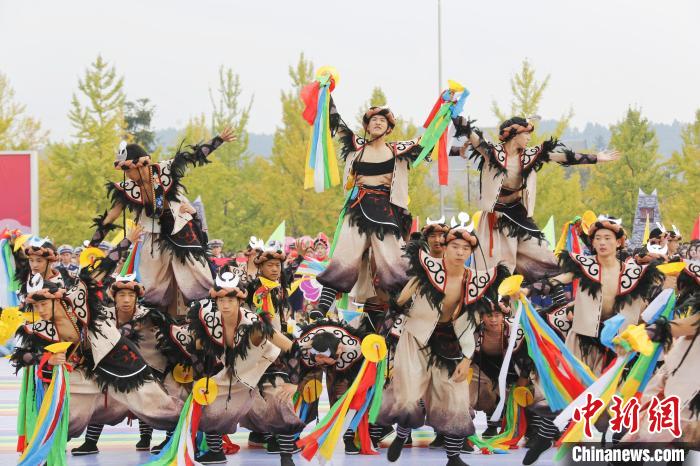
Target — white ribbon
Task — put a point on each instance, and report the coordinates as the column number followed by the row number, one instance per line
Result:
column 506, row 362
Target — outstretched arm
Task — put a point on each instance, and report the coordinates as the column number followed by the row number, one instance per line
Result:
column 475, row 138
column 198, row 153
column 565, row 156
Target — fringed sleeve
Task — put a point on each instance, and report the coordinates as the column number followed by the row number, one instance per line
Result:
column 102, row 229
column 195, row 155
column 28, row 352
column 567, row 157
column 348, row 139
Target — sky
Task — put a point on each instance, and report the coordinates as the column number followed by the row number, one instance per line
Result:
column 602, row 56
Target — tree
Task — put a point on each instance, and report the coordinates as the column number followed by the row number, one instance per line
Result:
column 227, row 111
column 138, row 116
column 680, row 206
column 552, row 180
column 17, row 131
column 613, row 187
column 73, row 176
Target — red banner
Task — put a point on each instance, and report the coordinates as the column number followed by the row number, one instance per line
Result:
column 19, row 202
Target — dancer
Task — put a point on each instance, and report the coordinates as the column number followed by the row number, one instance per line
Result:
column 607, row 286
column 442, row 302
column 105, row 363
column 376, row 212
column 174, row 256
column 234, row 346
column 508, row 185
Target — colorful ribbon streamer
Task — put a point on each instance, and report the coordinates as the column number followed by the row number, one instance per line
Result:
column 434, row 138
column 50, row 434
column 562, row 375
column 514, row 428
column 358, row 407
column 180, row 449
column 8, row 281
column 321, row 168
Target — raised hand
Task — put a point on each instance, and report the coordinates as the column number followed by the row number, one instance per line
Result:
column 227, row 134
column 57, row 359
column 608, row 155
column 135, row 233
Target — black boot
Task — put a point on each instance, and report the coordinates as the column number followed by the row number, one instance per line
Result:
column 87, row 448
column 256, row 440
column 394, row 451
column 539, row 445
column 491, row 431
column 455, row 461
column 273, row 447
column 467, row 447
column 213, row 457
column 157, row 449
column 378, row 433
column 349, row 441
column 409, row 442
column 438, row 443
column 146, row 433
column 144, row 443
column 286, row 459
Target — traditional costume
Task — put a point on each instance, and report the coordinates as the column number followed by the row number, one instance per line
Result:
column 173, row 257
column 430, row 348
column 333, row 349
column 507, row 197
column 272, row 417
column 145, row 328
column 107, row 366
column 230, row 357
column 376, row 216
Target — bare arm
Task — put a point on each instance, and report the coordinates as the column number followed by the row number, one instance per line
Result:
column 566, row 156
column 407, row 292
column 685, row 327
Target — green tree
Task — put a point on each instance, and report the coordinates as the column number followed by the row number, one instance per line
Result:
column 614, row 187
column 680, row 206
column 73, row 176
column 228, row 111
column 558, row 189
column 17, row 131
column 138, row 116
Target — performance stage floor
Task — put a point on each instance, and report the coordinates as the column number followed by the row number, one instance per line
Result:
column 117, row 443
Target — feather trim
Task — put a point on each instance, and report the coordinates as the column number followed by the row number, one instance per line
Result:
column 416, row 269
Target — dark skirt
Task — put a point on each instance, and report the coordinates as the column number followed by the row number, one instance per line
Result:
column 370, row 210
column 444, row 348
column 515, row 223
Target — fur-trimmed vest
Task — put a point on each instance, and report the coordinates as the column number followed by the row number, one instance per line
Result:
column 480, row 289
column 403, row 152
column 350, row 347
column 634, row 283
column 247, row 361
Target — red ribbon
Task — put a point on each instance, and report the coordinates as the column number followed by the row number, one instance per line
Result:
column 309, row 95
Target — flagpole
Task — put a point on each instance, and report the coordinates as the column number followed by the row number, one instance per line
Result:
column 439, row 42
